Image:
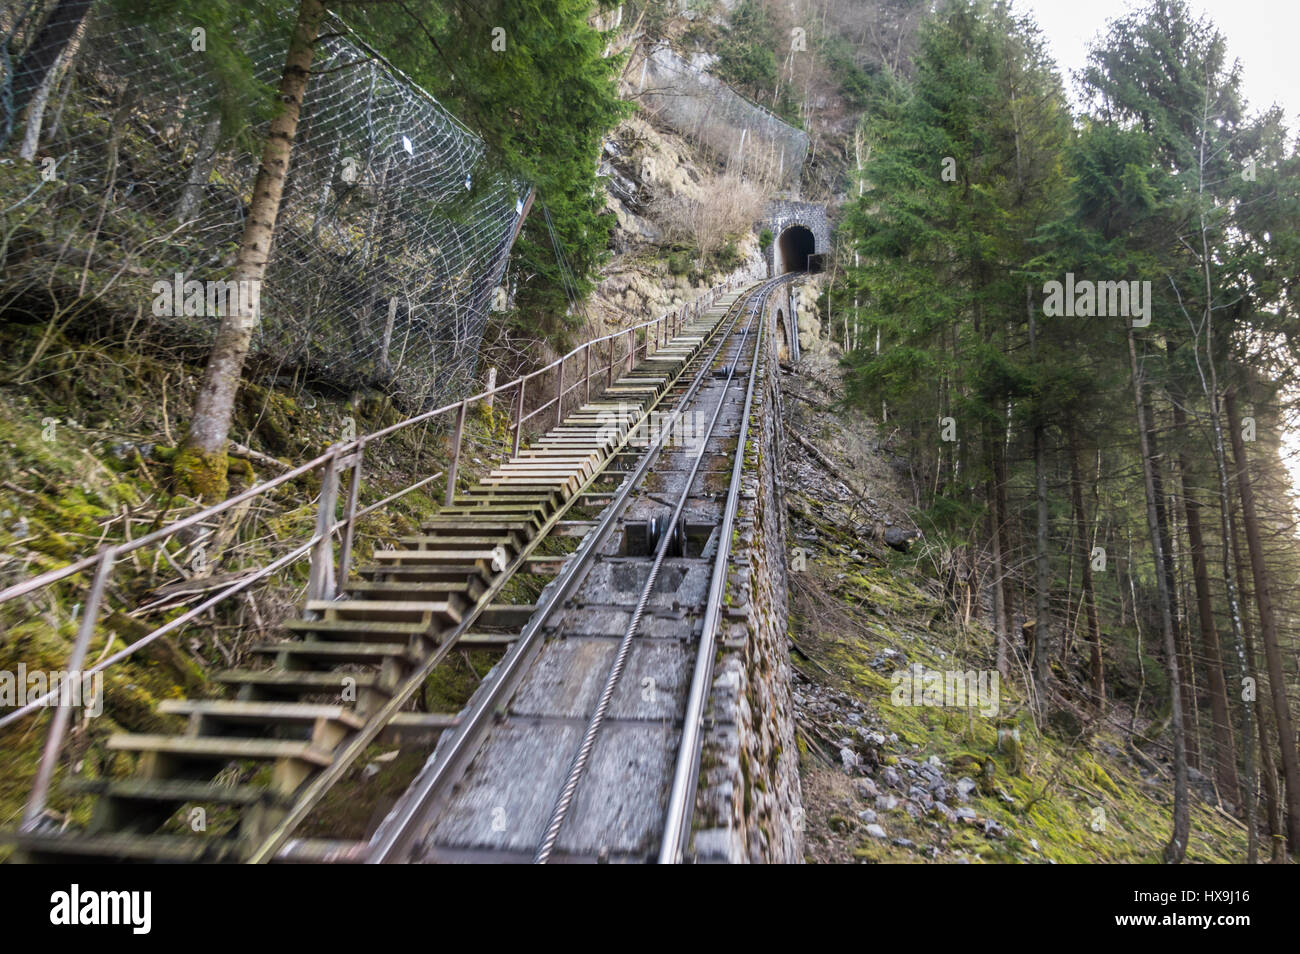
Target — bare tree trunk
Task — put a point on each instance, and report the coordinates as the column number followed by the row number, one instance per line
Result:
column 1267, row 770
column 1176, row 850
column 1043, row 646
column 1267, row 626
column 200, row 464
column 30, row 75
column 1163, row 520
column 1004, row 545
column 200, row 170
column 36, row 112
column 1089, row 596
column 1225, row 755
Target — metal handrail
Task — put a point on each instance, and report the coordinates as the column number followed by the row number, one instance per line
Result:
column 323, row 582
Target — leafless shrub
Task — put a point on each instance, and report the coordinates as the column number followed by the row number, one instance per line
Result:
column 728, row 206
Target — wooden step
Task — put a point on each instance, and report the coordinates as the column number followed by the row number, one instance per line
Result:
column 517, row 489
column 175, row 791
column 352, row 630
column 393, row 611
column 506, row 615
column 548, row 565
column 429, row 573
column 239, row 711
column 221, row 748
column 300, row 681
column 337, row 653
column 491, row 496
column 511, row 542
column 485, row 525
column 393, row 590
column 475, row 558
column 494, row 641
column 417, row 728
column 127, row 846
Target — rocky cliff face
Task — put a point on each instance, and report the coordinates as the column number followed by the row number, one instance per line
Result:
column 647, row 167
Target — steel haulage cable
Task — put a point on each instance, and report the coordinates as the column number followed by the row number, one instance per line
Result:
column 580, row 760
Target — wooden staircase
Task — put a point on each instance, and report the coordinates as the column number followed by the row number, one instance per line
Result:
column 347, row 659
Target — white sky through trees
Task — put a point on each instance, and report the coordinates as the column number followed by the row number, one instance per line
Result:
column 1260, row 33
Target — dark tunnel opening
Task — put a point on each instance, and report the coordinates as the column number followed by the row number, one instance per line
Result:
column 797, row 251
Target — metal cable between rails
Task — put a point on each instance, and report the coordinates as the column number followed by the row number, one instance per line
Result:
column 392, row 841
column 577, row 768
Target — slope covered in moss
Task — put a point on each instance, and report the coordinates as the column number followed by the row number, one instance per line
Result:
column 889, row 781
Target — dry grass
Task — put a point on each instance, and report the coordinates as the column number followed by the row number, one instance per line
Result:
column 728, row 206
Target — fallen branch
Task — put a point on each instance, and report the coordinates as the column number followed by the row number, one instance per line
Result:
column 827, row 463
column 247, row 453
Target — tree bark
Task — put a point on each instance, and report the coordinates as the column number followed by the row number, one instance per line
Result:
column 200, row 464
column 1163, row 520
column 200, row 170
column 1225, row 755
column 1176, row 850
column 1089, row 595
column 1267, row 770
column 40, row 99
column 1043, row 642
column 1267, row 626
column 41, row 57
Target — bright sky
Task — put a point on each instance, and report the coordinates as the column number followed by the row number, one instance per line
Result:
column 1261, row 33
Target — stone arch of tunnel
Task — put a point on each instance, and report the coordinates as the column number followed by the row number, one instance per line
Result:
column 796, row 250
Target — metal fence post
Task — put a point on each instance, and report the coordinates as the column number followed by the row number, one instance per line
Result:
column 586, row 352
column 519, row 416
column 349, row 522
column 320, row 581
column 455, row 454
column 559, row 392
column 63, row 708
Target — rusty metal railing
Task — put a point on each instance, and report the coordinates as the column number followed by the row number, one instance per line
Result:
column 326, row 570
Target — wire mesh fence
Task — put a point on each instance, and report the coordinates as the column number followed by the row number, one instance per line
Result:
column 749, row 137
column 123, row 194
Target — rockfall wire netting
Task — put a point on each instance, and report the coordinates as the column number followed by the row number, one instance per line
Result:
column 683, row 94
column 122, row 194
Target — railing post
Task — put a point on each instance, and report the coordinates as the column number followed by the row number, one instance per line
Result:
column 320, row 581
column 610, row 382
column 586, row 352
column 519, row 416
column 559, row 392
column 63, row 713
column 455, row 454
column 631, row 349
column 349, row 522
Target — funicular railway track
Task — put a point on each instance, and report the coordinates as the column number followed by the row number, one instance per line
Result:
column 342, row 680
column 584, row 743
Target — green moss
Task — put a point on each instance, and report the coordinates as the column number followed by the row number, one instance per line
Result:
column 200, row 474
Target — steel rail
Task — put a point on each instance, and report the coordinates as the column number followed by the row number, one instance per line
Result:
column 320, row 546
column 392, row 840
column 681, row 798
column 269, row 847
column 581, row 758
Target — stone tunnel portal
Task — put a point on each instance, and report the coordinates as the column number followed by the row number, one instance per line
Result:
column 797, row 250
